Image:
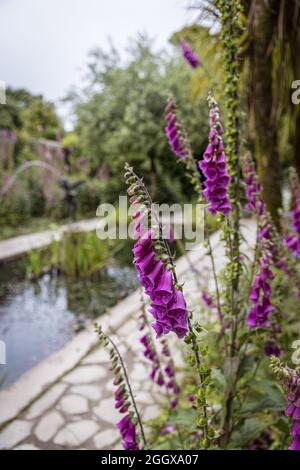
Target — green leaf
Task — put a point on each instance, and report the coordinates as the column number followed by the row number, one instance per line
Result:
column 273, row 392
column 250, row 428
column 263, row 404
column 185, row 417
column 218, row 379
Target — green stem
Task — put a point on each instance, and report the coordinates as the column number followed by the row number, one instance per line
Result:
column 129, row 390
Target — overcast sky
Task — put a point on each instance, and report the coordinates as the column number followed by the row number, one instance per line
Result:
column 44, row 43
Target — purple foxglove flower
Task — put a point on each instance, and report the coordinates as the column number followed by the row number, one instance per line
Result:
column 168, row 429
column 207, row 299
column 169, row 371
column 153, row 373
column 292, row 240
column 155, row 275
column 213, row 166
column 264, row 232
column 160, row 380
column 189, row 55
column 177, row 308
column 165, row 288
column 260, row 294
column 271, row 349
column 128, row 433
column 293, row 412
column 253, row 187
column 157, row 328
column 120, row 400
column 168, row 306
column 191, row 398
column 177, row 140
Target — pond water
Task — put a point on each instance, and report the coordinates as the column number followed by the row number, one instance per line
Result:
column 38, row 318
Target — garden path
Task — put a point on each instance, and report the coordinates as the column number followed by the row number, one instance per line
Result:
column 67, row 400
column 18, row 246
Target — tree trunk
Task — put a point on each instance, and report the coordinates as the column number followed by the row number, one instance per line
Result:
column 261, row 104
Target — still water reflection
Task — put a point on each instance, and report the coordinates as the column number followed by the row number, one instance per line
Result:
column 36, row 319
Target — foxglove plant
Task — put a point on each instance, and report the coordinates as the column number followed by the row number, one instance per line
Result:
column 293, row 411
column 156, row 272
column 175, row 132
column 267, row 239
column 292, row 240
column 214, row 165
column 291, row 383
column 261, row 290
column 124, row 398
column 253, row 189
column 193, row 174
column 162, row 374
column 189, row 55
column 260, row 294
column 179, row 142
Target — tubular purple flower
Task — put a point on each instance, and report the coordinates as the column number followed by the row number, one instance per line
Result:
column 168, row 429
column 272, row 349
column 214, row 166
column 260, row 294
column 128, row 433
column 292, row 241
column 293, row 412
column 189, row 55
column 253, row 187
column 160, row 373
column 174, row 132
column 124, row 398
column 168, row 306
column 207, row 299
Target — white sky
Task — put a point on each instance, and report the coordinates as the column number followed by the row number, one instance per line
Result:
column 44, row 43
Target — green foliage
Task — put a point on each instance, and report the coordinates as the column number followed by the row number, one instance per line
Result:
column 39, row 119
column 70, row 140
column 10, row 114
column 76, row 255
column 118, row 122
column 30, row 114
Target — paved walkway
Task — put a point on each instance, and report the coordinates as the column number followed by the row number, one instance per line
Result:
column 17, row 246
column 67, row 400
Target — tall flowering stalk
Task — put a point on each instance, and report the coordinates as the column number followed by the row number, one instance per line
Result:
column 161, row 374
column 229, row 13
column 153, row 263
column 124, row 398
column 156, row 272
column 261, row 289
column 179, row 142
column 189, row 55
column 291, row 383
column 253, row 188
column 193, row 174
column 175, row 132
column 292, row 240
column 214, row 165
column 266, row 256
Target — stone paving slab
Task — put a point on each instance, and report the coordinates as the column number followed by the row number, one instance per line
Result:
column 18, row 246
column 67, row 400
